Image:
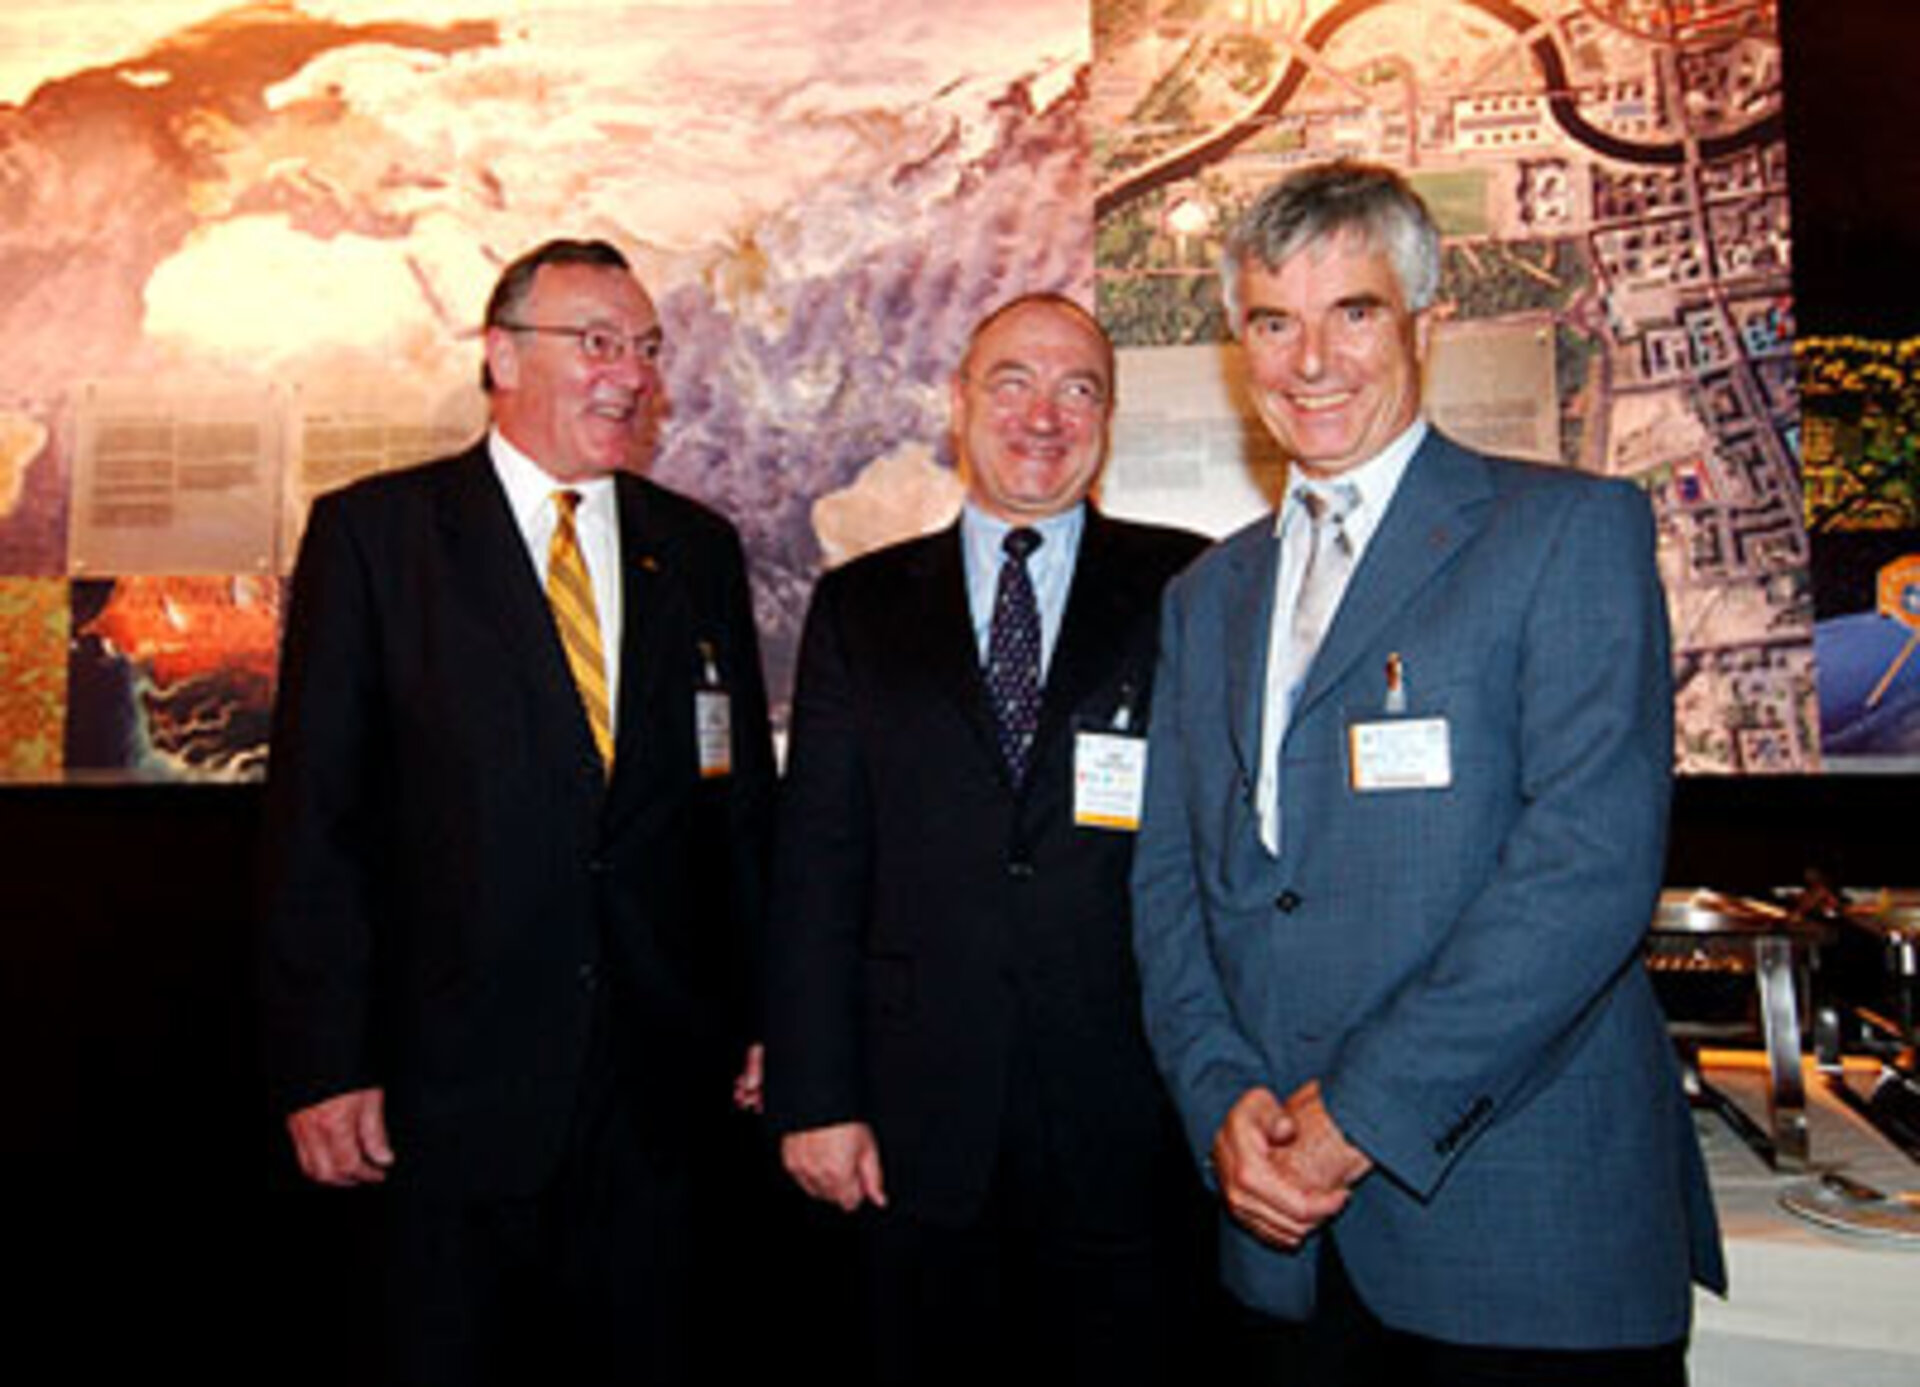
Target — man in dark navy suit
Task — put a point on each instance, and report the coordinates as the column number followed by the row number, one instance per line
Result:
column 954, row 1044
column 519, row 803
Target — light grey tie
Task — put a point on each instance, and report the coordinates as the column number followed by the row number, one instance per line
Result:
column 1329, row 565
column 1323, row 578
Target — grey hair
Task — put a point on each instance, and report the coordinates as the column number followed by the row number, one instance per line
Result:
column 1327, row 201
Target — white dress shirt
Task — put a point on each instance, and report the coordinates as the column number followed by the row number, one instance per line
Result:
column 1376, row 479
column 596, row 522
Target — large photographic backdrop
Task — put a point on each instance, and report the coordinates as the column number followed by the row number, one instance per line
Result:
column 1611, row 181
column 243, row 251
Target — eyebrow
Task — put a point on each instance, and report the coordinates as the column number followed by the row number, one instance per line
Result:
column 1000, row 370
column 609, row 325
column 1365, row 299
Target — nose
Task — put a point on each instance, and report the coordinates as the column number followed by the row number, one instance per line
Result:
column 1309, row 359
column 1043, row 413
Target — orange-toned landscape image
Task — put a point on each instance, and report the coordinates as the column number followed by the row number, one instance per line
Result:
column 33, row 677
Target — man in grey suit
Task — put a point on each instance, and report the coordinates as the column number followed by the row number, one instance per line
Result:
column 1406, row 817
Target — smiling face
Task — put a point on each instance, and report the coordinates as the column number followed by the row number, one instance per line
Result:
column 576, row 417
column 1334, row 354
column 1031, row 406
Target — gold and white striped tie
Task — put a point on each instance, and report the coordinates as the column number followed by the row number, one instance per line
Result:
column 570, row 592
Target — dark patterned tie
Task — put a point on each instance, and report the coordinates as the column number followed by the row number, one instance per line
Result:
column 1013, row 653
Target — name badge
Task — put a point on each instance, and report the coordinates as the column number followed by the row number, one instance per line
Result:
column 1109, row 780
column 713, row 730
column 1401, row 754
column 712, row 719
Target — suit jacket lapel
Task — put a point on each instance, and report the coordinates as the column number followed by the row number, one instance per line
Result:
column 485, row 543
column 1254, row 555
column 1438, row 507
column 1093, row 628
column 952, row 653
column 649, row 578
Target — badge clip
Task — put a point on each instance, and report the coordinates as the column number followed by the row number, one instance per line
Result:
column 712, row 718
column 1396, row 701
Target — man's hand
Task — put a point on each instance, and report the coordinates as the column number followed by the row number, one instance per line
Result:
column 839, row 1164
column 1319, row 1156
column 1276, row 1202
column 343, row 1140
column 749, row 1089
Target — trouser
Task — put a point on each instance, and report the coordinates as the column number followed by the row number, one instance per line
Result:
column 589, row 1280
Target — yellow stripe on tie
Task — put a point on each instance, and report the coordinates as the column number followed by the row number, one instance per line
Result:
column 570, row 593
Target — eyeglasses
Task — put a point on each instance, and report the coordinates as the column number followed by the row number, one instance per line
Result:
column 603, row 346
column 1015, row 394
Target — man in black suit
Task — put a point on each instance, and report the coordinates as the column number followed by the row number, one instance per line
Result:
column 954, row 1035
column 518, row 807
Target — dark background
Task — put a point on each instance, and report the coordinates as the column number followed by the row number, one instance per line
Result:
column 155, row 1222
column 156, row 1219
column 1852, row 112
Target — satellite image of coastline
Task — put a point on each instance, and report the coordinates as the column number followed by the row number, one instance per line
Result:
column 172, row 678
column 247, row 246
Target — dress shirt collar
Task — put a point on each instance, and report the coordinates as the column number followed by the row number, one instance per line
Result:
column 530, row 489
column 1050, row 567
column 983, row 534
column 530, row 486
column 1376, row 480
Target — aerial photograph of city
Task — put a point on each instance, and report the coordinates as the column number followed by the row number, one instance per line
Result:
column 1611, row 182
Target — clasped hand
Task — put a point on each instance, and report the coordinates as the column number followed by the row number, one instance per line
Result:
column 1285, row 1169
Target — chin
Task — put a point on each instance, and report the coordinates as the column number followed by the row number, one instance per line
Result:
column 599, row 464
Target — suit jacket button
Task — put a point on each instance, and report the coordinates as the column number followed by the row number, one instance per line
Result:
column 589, row 977
column 1287, row 901
column 1020, row 869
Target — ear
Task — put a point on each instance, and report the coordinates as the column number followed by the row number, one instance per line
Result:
column 1423, row 323
column 503, row 358
column 957, row 406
